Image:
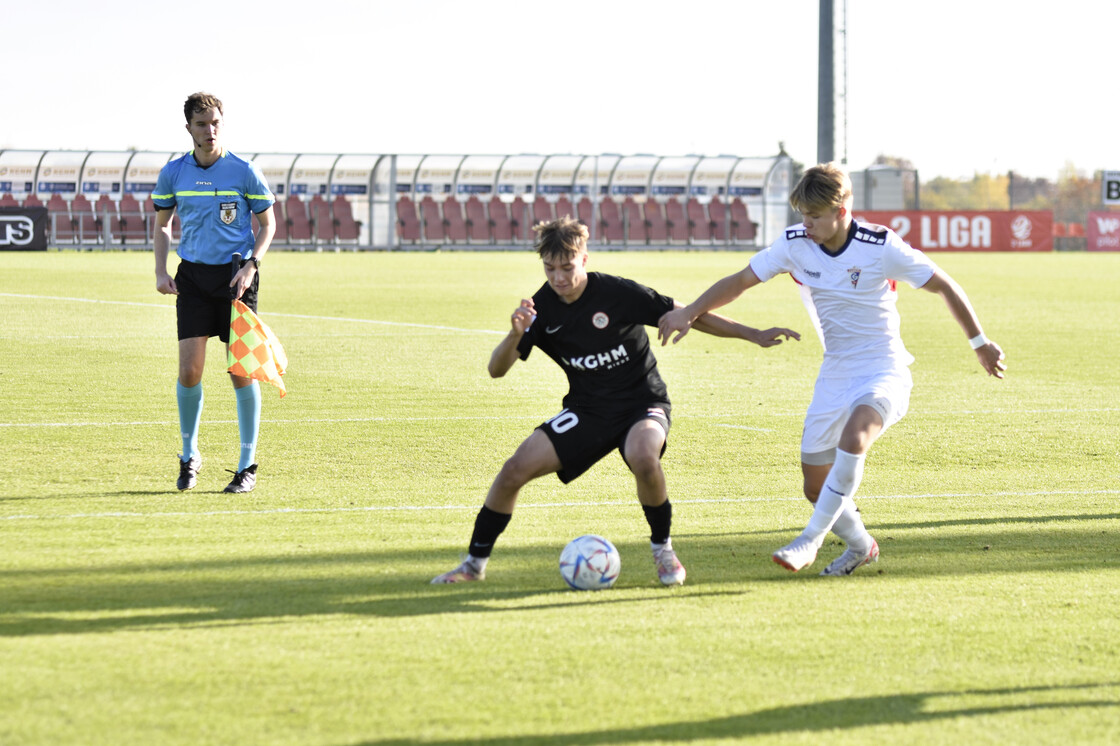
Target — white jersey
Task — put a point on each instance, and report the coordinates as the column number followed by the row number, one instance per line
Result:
column 851, row 295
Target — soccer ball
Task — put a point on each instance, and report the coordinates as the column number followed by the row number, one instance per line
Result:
column 589, row 563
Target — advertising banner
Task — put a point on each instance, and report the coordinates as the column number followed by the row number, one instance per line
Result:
column 1110, row 187
column 23, row 229
column 969, row 230
column 1103, row 232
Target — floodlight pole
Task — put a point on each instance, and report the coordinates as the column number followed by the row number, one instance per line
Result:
column 826, row 141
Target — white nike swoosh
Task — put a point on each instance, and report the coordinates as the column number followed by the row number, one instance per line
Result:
column 553, row 329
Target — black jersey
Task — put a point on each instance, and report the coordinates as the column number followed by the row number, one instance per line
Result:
column 600, row 341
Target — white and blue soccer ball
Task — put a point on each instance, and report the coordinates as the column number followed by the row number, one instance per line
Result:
column 590, row 563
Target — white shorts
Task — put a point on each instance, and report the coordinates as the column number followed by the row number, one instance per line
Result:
column 834, row 399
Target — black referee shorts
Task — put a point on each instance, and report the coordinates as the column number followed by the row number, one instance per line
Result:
column 202, row 307
column 582, row 437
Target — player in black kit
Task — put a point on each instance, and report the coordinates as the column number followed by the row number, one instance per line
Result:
column 592, row 325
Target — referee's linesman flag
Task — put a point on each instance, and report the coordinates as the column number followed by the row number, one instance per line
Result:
column 254, row 351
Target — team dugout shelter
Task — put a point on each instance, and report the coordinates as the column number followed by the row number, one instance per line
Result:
column 101, row 199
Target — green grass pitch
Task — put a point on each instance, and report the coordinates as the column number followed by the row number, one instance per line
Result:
column 301, row 613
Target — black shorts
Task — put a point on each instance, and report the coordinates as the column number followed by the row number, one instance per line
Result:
column 202, row 307
column 582, row 437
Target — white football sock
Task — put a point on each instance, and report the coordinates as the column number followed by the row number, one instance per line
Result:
column 849, row 527
column 842, row 482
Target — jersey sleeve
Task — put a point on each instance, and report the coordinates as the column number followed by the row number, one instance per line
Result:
column 163, row 196
column 257, row 193
column 771, row 261
column 646, row 304
column 904, row 262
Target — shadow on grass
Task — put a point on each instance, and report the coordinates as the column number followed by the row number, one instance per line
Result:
column 235, row 590
column 838, row 714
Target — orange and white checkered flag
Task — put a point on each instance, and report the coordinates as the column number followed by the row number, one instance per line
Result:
column 254, row 351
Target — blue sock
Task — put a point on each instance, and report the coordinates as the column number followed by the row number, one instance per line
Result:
column 248, row 422
column 190, row 414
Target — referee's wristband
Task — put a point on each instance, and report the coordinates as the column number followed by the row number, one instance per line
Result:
column 978, row 341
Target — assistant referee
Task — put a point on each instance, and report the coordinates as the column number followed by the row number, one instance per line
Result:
column 213, row 191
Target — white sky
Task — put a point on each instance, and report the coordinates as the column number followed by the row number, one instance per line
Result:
column 955, row 86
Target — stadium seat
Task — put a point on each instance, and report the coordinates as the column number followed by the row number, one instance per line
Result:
column 86, row 223
column 699, row 227
column 656, row 227
column 132, row 224
column 610, row 220
column 520, row 220
column 281, row 223
column 1075, row 230
column 564, row 207
column 32, row 200
column 322, row 223
column 635, row 222
column 542, row 211
column 299, row 225
column 105, row 209
column 586, row 211
column 717, row 218
column 674, row 217
column 7, row 200
column 453, row 219
column 742, row 227
column 478, row 225
column 345, row 227
column 60, row 220
column 408, row 222
column 431, row 219
column 1058, row 230
column 176, row 226
column 500, row 227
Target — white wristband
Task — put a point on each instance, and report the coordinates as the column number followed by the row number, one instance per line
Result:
column 978, row 341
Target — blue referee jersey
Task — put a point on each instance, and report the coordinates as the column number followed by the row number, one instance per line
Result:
column 214, row 205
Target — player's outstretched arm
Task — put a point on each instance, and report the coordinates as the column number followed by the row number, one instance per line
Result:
column 505, row 354
column 987, row 352
column 720, row 294
column 721, row 326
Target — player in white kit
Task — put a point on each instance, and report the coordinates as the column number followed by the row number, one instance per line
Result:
column 846, row 271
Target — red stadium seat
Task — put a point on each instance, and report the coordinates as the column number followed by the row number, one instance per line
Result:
column 281, row 223
column 60, row 220
column 636, row 224
column 542, row 211
column 678, row 223
column 717, row 216
column 610, row 220
column 7, row 200
column 132, row 219
column 478, row 225
column 32, row 200
column 321, row 220
column 1058, row 230
column 500, row 227
column 699, row 227
column 105, row 210
column 742, row 227
column 299, row 225
column 453, row 219
column 1076, row 230
column 656, row 227
column 408, row 222
column 345, row 227
column 81, row 211
column 564, row 207
column 586, row 211
column 521, row 220
column 431, row 219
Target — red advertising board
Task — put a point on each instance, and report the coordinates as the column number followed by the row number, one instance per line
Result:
column 1103, row 232
column 969, row 230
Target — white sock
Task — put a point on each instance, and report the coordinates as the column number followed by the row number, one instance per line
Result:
column 658, row 548
column 478, row 563
column 839, row 487
column 849, row 527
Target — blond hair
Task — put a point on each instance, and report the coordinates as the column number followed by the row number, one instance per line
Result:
column 823, row 187
column 562, row 238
